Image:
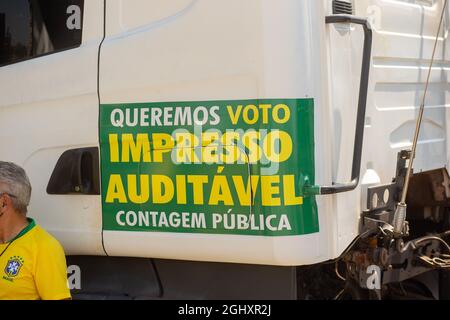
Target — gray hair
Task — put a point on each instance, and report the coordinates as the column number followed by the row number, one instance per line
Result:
column 14, row 181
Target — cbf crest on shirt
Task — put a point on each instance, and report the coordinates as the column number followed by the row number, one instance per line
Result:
column 13, row 266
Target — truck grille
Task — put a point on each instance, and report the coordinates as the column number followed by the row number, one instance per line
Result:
column 342, row 7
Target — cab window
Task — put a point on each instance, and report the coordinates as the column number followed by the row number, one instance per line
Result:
column 32, row 28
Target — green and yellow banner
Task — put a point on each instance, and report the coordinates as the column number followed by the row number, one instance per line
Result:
column 218, row 167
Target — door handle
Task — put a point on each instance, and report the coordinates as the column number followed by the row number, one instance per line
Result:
column 76, row 172
column 338, row 187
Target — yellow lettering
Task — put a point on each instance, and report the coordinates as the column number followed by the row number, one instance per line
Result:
column 141, row 146
column 181, row 189
column 269, row 191
column 265, row 112
column 162, row 143
column 231, row 153
column 162, row 189
column 114, row 147
column 144, row 186
column 234, row 116
column 251, row 141
column 245, row 193
column 290, row 198
column 186, row 143
column 210, row 147
column 276, row 115
column 246, row 116
column 285, row 146
column 220, row 192
column 115, row 191
column 197, row 184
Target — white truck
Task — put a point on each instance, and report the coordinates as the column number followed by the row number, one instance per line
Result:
column 229, row 149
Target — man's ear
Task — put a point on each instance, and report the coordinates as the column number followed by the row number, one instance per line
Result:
column 2, row 206
column 4, row 202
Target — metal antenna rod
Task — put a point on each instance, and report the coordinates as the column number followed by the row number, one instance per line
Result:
column 400, row 214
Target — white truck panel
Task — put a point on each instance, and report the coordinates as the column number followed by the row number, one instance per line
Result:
column 50, row 104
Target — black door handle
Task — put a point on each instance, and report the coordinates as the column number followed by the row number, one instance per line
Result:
column 76, row 172
column 337, row 187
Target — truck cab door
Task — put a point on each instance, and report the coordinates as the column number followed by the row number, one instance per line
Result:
column 49, row 106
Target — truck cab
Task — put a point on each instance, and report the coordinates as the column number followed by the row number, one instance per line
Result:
column 222, row 149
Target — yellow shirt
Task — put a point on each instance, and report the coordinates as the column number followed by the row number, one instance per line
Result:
column 33, row 267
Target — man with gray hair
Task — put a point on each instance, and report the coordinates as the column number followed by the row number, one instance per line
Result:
column 32, row 262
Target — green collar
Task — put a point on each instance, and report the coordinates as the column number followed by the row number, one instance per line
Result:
column 31, row 225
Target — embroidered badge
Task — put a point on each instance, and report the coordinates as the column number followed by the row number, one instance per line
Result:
column 13, row 266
